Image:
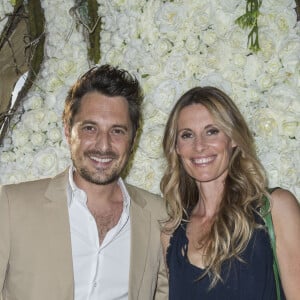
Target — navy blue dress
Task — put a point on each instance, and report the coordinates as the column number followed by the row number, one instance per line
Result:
column 252, row 280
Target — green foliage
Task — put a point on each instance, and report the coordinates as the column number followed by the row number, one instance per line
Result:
column 249, row 20
column 94, row 34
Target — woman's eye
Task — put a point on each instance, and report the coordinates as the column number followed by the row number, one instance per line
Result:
column 213, row 131
column 186, row 135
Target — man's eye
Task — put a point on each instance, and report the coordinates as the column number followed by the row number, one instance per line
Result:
column 118, row 131
column 88, row 128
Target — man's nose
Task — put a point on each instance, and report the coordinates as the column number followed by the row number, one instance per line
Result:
column 103, row 141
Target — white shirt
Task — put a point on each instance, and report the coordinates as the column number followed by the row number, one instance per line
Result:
column 100, row 272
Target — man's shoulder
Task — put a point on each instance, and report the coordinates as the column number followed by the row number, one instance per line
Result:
column 33, row 186
column 137, row 191
column 146, row 199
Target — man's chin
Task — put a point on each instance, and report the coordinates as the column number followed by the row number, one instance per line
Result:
column 99, row 180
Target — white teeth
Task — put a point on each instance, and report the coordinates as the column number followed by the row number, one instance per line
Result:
column 203, row 160
column 101, row 160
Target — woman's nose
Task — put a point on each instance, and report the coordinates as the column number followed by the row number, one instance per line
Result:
column 200, row 143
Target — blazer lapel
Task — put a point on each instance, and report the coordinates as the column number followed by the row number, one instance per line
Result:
column 58, row 232
column 140, row 236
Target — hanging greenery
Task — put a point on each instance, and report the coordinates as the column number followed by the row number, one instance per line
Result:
column 27, row 19
column 85, row 14
column 249, row 20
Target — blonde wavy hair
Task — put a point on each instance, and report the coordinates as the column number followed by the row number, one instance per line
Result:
column 244, row 187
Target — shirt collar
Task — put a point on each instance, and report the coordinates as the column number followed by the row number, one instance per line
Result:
column 74, row 189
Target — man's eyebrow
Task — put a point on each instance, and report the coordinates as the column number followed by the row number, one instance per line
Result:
column 120, row 126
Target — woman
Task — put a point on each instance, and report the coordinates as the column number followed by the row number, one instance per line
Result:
column 215, row 242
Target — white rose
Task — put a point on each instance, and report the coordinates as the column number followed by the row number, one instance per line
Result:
column 54, row 134
column 253, row 95
column 134, row 53
column 116, row 40
column 200, row 17
column 150, row 66
column 286, row 20
column 146, row 173
column 162, row 47
column 46, row 162
column 165, row 95
column 151, row 142
column 65, row 68
column 291, row 63
column 54, row 83
column 192, row 44
column 146, row 28
column 212, row 61
column 239, row 59
column 33, row 119
column 34, row 101
column 175, row 66
column 150, row 83
column 197, row 66
column 208, row 37
column 7, row 157
column 234, row 75
column 223, row 22
column 20, row 137
column 108, row 23
column 276, row 5
column 266, row 123
column 217, row 80
column 37, row 139
column 289, row 54
column 52, row 117
column 63, row 156
column 281, row 96
column 128, row 29
column 289, row 126
column 273, row 65
column 24, row 155
column 113, row 56
column 265, row 81
column 7, row 144
column 289, row 172
column 253, row 69
column 295, row 107
column 267, row 44
column 170, row 17
column 231, row 5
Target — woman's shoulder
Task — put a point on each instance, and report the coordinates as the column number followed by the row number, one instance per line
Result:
column 284, row 200
column 285, row 210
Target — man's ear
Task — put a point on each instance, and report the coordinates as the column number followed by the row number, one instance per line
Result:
column 67, row 131
column 133, row 143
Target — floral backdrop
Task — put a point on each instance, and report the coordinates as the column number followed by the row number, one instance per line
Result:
column 170, row 46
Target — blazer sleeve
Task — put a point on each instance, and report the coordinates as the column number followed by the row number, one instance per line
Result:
column 162, row 289
column 4, row 235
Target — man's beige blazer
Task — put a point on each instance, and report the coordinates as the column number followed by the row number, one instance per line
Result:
column 35, row 243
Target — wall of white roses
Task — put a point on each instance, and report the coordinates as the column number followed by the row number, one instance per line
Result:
column 170, row 47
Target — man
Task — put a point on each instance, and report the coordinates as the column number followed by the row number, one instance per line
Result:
column 85, row 234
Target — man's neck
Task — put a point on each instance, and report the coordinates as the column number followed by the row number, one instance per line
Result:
column 105, row 202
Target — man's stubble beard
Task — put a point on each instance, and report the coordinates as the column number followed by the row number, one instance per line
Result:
column 95, row 177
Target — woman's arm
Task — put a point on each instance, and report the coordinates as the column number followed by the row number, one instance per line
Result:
column 285, row 210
